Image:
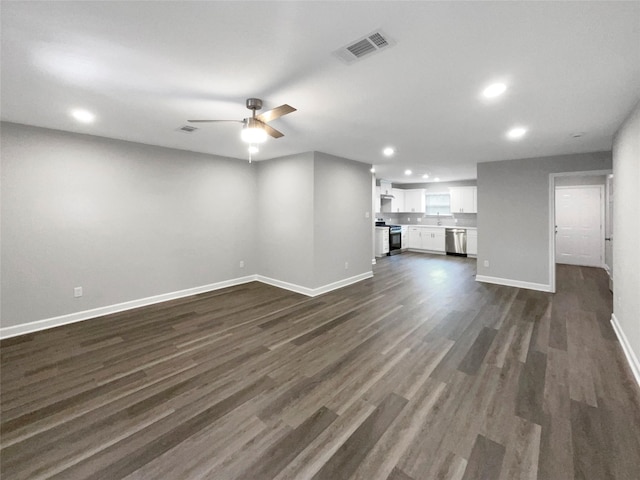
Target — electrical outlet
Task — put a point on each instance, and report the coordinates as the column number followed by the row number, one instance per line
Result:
column 486, row 263
column 346, row 265
column 77, row 292
column 241, row 263
column 419, row 220
column 366, row 214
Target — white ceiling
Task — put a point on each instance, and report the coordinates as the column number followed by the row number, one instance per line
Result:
column 144, row 68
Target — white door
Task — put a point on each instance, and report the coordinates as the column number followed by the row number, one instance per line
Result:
column 579, row 225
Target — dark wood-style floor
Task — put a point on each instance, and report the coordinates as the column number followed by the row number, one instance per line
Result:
column 418, row 373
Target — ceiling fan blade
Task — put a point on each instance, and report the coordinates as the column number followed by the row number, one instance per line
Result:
column 272, row 131
column 210, row 121
column 275, row 113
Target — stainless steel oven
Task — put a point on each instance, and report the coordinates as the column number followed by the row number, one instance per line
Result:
column 395, row 239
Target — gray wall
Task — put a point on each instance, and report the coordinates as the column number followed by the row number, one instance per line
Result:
column 513, row 213
column 285, row 221
column 342, row 196
column 578, row 180
column 437, row 187
column 127, row 221
column 626, row 229
column 123, row 220
column 312, row 219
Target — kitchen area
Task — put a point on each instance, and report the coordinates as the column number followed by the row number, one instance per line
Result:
column 431, row 218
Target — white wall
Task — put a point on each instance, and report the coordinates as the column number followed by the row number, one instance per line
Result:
column 626, row 235
column 123, row 220
column 513, row 215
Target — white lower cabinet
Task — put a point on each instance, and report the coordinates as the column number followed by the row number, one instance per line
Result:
column 472, row 242
column 433, row 239
column 415, row 238
column 426, row 238
column 382, row 242
column 404, row 238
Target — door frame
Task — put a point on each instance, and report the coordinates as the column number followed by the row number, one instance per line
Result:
column 552, row 217
column 601, row 189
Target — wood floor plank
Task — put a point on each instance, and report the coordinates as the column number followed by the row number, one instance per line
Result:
column 530, row 399
column 326, row 444
column 142, row 455
column 475, row 356
column 485, row 461
column 280, row 454
column 418, row 373
column 589, row 445
column 348, row 457
column 397, row 474
column 386, row 453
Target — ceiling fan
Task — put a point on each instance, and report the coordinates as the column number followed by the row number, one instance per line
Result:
column 255, row 128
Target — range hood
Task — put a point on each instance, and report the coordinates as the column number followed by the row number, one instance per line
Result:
column 384, row 196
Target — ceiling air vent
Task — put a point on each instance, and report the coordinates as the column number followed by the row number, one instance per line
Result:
column 371, row 43
column 187, row 129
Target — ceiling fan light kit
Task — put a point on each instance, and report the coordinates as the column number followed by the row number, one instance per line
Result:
column 255, row 128
column 253, row 132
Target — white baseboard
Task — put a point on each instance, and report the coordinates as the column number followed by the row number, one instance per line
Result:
column 22, row 329
column 634, row 364
column 31, row 327
column 433, row 252
column 314, row 292
column 514, row 283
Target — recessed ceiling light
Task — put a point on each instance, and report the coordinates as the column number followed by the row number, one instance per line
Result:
column 373, row 170
column 408, row 172
column 494, row 90
column 83, row 116
column 426, row 175
column 253, row 149
column 437, row 179
column 516, row 133
column 388, row 151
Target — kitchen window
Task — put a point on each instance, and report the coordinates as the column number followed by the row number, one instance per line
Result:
column 438, row 204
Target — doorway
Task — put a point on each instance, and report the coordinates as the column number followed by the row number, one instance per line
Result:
column 580, row 225
column 576, row 179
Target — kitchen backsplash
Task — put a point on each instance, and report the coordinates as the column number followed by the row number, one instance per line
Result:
column 463, row 219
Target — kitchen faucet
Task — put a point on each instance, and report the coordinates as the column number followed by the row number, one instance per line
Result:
column 439, row 221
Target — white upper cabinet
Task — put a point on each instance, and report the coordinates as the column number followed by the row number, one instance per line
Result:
column 397, row 203
column 385, row 187
column 464, row 199
column 414, row 201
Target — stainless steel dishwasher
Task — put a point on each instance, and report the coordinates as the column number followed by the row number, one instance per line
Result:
column 456, row 241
